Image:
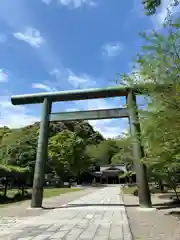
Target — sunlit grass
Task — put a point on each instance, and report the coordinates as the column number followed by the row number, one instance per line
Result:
column 48, row 192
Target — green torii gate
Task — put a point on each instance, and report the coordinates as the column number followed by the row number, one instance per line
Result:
column 130, row 112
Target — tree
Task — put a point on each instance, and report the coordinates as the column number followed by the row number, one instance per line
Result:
column 66, row 154
column 159, row 63
column 16, row 173
column 103, row 152
column 18, row 146
column 151, row 6
column 124, row 155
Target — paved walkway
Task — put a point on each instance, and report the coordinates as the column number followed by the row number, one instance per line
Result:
column 98, row 216
column 21, row 209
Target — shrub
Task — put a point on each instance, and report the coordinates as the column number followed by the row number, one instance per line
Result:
column 135, row 193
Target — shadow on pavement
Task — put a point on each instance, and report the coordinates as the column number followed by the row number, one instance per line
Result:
column 89, row 205
column 174, row 214
column 169, row 205
column 158, row 206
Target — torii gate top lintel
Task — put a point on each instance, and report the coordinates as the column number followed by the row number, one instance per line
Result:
column 61, row 96
column 46, row 99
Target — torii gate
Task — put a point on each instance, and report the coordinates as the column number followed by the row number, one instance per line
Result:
column 130, row 112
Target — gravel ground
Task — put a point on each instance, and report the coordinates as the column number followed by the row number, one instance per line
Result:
column 152, row 225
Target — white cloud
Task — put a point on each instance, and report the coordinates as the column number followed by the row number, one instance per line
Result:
column 73, row 3
column 31, row 36
column 77, row 3
column 14, row 116
column 94, row 104
column 112, row 49
column 110, row 128
column 55, row 72
column 168, row 7
column 2, row 38
column 3, row 76
column 81, row 81
column 77, row 81
column 18, row 15
column 19, row 116
column 46, row 1
column 98, row 104
column 72, row 110
column 44, row 87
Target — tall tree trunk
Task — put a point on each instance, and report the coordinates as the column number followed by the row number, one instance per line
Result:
column 5, row 186
column 22, row 189
column 177, row 196
column 161, row 186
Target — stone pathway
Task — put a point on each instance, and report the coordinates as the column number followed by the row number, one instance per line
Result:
column 100, row 215
column 21, row 209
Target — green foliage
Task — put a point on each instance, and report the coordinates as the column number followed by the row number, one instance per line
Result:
column 19, row 147
column 66, row 148
column 151, row 6
column 125, row 151
column 66, row 153
column 103, row 152
column 10, row 170
column 159, row 63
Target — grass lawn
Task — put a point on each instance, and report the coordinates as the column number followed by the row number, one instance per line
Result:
column 48, row 192
column 178, row 190
column 129, row 190
column 52, row 192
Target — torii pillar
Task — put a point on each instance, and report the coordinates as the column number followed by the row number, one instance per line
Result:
column 138, row 152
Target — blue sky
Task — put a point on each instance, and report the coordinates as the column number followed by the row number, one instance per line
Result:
column 51, row 45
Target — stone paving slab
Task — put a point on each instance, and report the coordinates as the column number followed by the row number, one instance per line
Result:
column 98, row 216
column 21, row 209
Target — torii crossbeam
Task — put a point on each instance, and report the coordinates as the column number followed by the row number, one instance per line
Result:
column 130, row 112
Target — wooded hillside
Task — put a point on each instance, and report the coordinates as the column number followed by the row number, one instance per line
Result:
column 74, row 150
